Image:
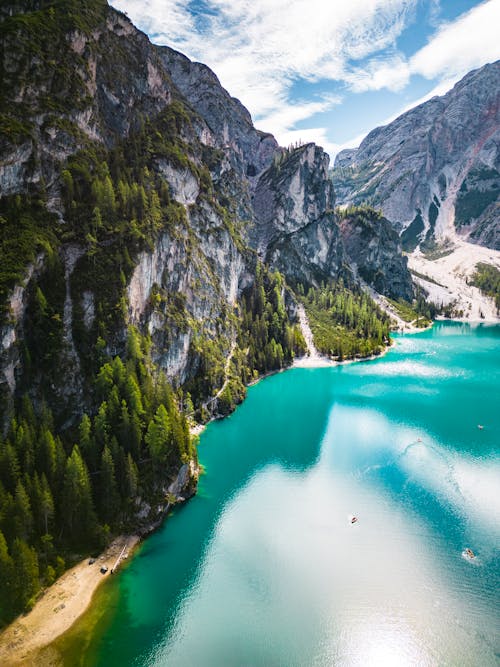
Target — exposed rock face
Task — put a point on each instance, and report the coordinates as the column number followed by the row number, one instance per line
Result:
column 11, row 335
column 92, row 83
column 192, row 295
column 248, row 150
column 374, row 251
column 295, row 228
column 435, row 170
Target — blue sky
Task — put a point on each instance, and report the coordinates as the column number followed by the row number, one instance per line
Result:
column 327, row 70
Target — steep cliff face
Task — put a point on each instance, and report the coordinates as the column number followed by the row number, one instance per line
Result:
column 84, row 79
column 435, row 170
column 70, row 76
column 248, row 150
column 374, row 251
column 295, row 228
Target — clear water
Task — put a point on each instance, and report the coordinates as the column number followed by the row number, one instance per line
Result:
column 264, row 567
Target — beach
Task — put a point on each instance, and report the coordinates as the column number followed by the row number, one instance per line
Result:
column 59, row 606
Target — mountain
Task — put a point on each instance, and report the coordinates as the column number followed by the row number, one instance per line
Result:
column 434, row 171
column 96, row 117
column 155, row 247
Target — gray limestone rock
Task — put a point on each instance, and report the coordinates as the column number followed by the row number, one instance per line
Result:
column 435, row 170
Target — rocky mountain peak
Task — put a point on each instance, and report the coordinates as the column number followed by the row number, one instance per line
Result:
column 435, row 170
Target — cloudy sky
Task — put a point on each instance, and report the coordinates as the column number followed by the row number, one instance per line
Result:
column 327, row 71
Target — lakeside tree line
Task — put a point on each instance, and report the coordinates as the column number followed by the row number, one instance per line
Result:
column 62, row 495
column 345, row 322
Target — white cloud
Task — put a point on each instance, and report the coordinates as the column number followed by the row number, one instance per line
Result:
column 468, row 42
column 259, row 48
column 391, row 73
column 287, row 115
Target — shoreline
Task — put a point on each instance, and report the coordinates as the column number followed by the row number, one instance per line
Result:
column 60, row 606
column 306, row 361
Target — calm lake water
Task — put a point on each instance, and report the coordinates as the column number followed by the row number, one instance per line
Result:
column 263, row 566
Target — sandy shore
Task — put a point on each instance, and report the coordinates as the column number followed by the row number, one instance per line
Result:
column 59, row 607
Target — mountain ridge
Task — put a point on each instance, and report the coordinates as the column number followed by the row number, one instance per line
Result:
column 435, row 170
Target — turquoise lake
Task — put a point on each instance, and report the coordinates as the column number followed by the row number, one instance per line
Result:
column 264, row 567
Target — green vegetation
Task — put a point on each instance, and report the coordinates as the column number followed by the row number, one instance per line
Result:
column 62, row 494
column 433, row 250
column 37, row 38
column 26, row 229
column 471, row 204
column 487, row 278
column 266, row 341
column 411, row 236
column 364, row 214
column 346, row 323
column 266, row 332
column 420, row 313
column 425, row 277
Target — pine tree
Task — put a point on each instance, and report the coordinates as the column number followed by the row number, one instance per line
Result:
column 6, row 582
column 158, row 438
column 46, row 504
column 77, row 508
column 26, row 574
column 109, row 499
column 22, row 512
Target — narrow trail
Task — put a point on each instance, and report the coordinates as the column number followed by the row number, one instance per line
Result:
column 226, row 373
column 313, row 359
column 196, row 429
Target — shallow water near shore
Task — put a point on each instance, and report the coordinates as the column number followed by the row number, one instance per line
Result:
column 264, row 567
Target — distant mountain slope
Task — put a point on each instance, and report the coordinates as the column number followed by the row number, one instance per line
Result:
column 435, row 170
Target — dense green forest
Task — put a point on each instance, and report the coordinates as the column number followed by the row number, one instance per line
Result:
column 345, row 323
column 62, row 494
column 487, row 278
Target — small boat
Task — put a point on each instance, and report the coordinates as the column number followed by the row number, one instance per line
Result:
column 468, row 553
column 480, row 427
column 354, row 519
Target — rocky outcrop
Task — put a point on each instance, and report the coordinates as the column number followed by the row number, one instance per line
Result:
column 374, row 251
column 248, row 150
column 11, row 337
column 295, row 228
column 172, row 298
column 435, row 170
column 93, row 82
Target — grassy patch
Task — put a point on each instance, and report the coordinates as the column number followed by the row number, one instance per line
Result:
column 409, row 313
column 434, row 251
